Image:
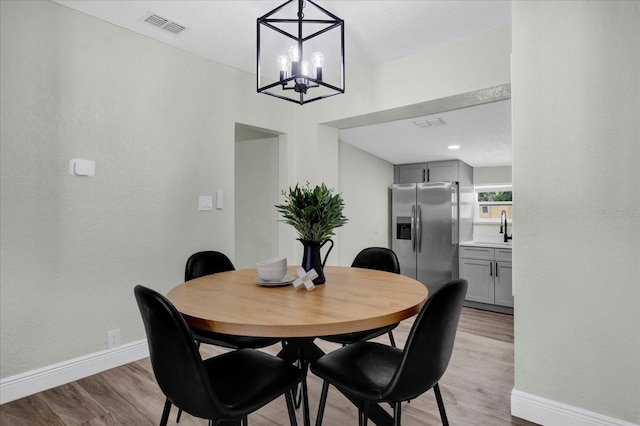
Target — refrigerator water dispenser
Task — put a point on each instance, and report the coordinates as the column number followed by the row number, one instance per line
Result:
column 403, row 228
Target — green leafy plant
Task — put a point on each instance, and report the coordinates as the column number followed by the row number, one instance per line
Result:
column 494, row 196
column 313, row 212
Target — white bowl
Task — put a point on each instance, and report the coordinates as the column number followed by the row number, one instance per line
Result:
column 273, row 261
column 273, row 271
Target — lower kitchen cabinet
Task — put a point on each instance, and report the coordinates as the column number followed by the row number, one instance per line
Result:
column 489, row 273
column 503, row 284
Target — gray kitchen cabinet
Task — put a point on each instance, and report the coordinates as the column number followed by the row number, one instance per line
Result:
column 480, row 277
column 435, row 171
column 410, row 173
column 503, row 275
column 489, row 273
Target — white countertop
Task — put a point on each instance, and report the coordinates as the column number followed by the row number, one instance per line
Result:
column 488, row 240
column 491, row 244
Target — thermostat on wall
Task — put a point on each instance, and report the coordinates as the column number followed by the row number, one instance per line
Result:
column 78, row 167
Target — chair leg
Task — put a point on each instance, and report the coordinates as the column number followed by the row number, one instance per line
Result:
column 288, row 396
column 363, row 413
column 297, row 390
column 180, row 409
column 443, row 413
column 397, row 413
column 391, row 339
column 165, row 412
column 322, row 403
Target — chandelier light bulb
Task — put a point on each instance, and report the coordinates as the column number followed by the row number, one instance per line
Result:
column 305, row 68
column 294, row 54
column 283, row 63
column 317, row 59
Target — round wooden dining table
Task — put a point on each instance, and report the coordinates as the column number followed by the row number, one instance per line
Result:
column 351, row 299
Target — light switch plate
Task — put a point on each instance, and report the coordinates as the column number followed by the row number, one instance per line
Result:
column 205, row 203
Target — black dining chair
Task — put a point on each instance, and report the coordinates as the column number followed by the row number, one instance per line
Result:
column 372, row 373
column 225, row 388
column 381, row 259
column 212, row 262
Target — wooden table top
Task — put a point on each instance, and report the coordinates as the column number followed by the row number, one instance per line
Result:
column 352, row 299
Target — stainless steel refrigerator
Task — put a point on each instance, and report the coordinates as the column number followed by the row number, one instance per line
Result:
column 426, row 229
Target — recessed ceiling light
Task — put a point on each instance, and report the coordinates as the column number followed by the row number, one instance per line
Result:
column 454, row 147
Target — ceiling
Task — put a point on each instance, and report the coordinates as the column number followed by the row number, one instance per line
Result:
column 375, row 31
column 483, row 134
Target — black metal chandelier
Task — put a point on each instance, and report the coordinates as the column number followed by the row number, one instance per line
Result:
column 294, row 41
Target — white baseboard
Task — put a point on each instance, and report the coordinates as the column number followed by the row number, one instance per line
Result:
column 552, row 413
column 32, row 382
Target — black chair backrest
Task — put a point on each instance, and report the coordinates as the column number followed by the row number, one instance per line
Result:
column 430, row 343
column 176, row 362
column 379, row 258
column 206, row 263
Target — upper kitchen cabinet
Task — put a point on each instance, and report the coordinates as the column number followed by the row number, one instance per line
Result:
column 436, row 171
column 410, row 173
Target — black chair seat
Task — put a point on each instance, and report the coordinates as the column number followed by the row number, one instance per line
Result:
column 251, row 379
column 231, row 341
column 362, row 369
column 359, row 336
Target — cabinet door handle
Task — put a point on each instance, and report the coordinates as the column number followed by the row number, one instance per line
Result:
column 491, row 269
column 496, row 269
column 424, row 175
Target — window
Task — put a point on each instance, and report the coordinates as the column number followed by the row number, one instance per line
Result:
column 491, row 200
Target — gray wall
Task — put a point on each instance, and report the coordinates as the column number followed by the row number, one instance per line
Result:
column 365, row 189
column 161, row 130
column 257, row 191
column 576, row 268
column 489, row 175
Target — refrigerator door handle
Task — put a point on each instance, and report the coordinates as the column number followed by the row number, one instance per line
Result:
column 419, row 228
column 413, row 228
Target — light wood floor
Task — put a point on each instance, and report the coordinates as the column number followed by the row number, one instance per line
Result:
column 476, row 389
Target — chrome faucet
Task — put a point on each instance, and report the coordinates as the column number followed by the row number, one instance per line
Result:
column 503, row 214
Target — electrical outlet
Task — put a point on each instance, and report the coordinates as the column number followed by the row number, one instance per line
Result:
column 113, row 338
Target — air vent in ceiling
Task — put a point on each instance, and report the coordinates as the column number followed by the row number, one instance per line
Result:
column 430, row 122
column 163, row 23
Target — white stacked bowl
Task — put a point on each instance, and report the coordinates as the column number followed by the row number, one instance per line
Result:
column 273, row 269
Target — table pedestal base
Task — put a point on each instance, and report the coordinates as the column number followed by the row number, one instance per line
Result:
column 304, row 352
